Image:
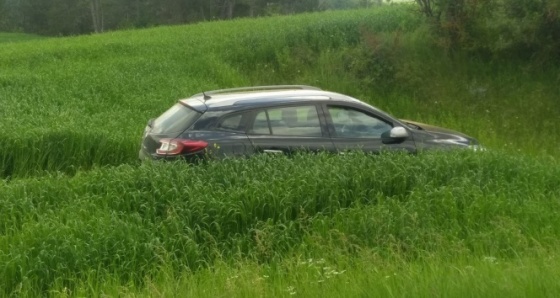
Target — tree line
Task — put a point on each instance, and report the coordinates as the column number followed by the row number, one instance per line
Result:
column 528, row 29
column 72, row 17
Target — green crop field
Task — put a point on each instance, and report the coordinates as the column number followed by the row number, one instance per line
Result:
column 80, row 216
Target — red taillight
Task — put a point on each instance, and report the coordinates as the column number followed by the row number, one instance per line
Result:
column 179, row 146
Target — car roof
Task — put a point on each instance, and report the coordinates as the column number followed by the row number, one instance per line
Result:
column 261, row 96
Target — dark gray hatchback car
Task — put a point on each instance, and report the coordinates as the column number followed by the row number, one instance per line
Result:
column 284, row 119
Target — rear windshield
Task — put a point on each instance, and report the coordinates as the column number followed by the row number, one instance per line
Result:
column 178, row 118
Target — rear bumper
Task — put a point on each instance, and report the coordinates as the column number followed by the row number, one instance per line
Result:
column 143, row 156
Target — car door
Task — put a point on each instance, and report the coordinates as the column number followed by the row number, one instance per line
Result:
column 229, row 135
column 353, row 128
column 285, row 129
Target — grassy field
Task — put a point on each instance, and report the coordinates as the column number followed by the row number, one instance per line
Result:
column 129, row 226
column 363, row 276
column 74, row 103
column 79, row 216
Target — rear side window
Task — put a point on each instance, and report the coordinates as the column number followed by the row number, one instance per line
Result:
column 178, row 118
column 261, row 124
column 300, row 121
column 231, row 123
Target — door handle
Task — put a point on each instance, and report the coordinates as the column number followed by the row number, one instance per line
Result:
column 273, row 151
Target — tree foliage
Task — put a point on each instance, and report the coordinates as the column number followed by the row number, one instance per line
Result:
column 528, row 29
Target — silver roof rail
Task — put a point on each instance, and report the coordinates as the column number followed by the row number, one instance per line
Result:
column 208, row 94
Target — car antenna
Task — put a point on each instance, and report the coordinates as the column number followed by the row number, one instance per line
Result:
column 206, row 97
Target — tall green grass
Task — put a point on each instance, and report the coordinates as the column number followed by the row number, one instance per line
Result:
column 129, row 223
column 79, row 216
column 363, row 275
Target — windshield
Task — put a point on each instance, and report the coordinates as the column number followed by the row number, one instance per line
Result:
column 178, row 118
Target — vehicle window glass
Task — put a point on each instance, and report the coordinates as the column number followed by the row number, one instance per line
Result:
column 260, row 126
column 295, row 121
column 231, row 123
column 178, row 118
column 289, row 121
column 351, row 123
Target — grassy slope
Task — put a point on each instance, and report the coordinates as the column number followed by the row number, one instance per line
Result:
column 72, row 103
column 81, row 102
column 89, row 97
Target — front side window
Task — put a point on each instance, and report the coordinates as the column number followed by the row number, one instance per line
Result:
column 288, row 121
column 352, row 123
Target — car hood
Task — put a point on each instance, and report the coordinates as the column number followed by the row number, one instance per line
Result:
column 430, row 135
column 433, row 128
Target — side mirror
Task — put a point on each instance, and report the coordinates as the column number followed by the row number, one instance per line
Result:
column 395, row 135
